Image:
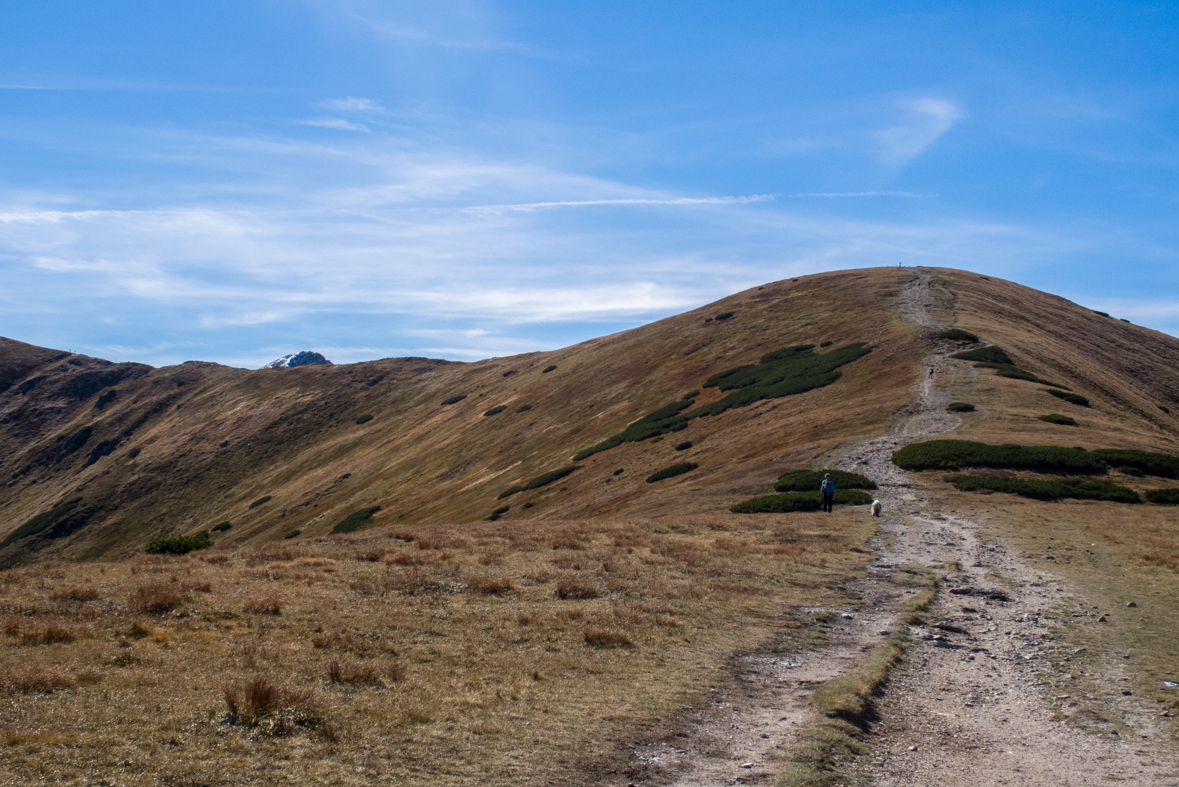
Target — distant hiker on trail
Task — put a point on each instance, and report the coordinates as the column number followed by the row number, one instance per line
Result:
column 827, row 489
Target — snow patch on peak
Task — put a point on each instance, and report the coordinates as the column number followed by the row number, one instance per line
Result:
column 304, row 358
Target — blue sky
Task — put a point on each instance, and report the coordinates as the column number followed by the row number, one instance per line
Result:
column 233, row 181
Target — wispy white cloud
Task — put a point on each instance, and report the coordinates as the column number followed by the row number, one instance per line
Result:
column 827, row 194
column 340, row 123
column 923, row 121
column 634, row 201
column 351, row 104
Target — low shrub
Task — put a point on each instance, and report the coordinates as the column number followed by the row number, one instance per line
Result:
column 960, row 407
column 1054, row 489
column 1071, row 398
column 364, row 419
column 620, row 471
column 1160, row 465
column 826, row 343
column 684, row 446
column 454, row 399
column 1057, row 418
column 293, row 534
column 1162, row 497
column 41, row 521
column 179, row 546
column 809, row 480
column 671, row 472
column 788, row 502
column 1103, row 314
column 548, row 369
column 992, row 354
column 954, row 454
column 1015, row 373
column 725, row 315
column 553, row 475
column 958, row 335
column 221, row 528
column 495, row 410
column 509, row 373
column 511, row 490
column 260, row 501
column 1165, row 409
column 357, row 520
column 523, row 408
column 691, row 394
column 497, row 513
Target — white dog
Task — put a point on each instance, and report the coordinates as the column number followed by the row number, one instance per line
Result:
column 875, row 508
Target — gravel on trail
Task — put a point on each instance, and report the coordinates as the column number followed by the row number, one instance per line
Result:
column 971, row 709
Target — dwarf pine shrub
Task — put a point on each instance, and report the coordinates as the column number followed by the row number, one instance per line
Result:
column 1160, row 465
column 454, row 399
column 1053, row 489
column 293, row 534
column 548, row 369
column 958, row 335
column 1071, row 398
column 551, row 476
column 809, row 480
column 364, row 419
column 495, row 410
column 523, row 408
column 260, row 501
column 684, row 446
column 1162, row 497
column 179, row 546
column 960, row 407
column 1057, row 418
column 497, row 513
column 725, row 315
column 991, row 354
column 788, row 502
column 511, row 490
column 827, row 343
column 357, row 520
column 954, row 454
column 671, row 472
column 221, row 528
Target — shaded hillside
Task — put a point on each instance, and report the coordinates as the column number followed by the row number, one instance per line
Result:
column 155, row 453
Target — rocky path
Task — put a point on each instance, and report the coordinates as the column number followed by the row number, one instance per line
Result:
column 971, row 709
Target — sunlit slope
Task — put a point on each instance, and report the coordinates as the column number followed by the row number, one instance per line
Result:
column 1129, row 374
column 182, row 449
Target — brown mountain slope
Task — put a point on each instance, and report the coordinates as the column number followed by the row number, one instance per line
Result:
column 180, row 449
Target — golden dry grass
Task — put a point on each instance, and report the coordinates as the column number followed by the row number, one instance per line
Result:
column 494, row 653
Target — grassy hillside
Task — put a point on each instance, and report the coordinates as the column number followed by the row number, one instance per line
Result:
column 182, row 449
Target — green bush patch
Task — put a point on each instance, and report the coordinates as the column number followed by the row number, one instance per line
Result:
column 826, row 343
column 958, row 335
column 954, row 454
column 497, row 513
column 260, row 501
column 364, row 419
column 993, row 354
column 454, row 399
column 671, row 472
column 179, row 546
column 684, row 446
column 292, row 534
column 1162, row 497
column 1160, row 465
column 785, row 372
column 1071, row 398
column 511, row 490
column 725, row 315
column 550, row 477
column 809, row 481
column 41, row 521
column 523, row 408
column 357, row 520
column 1057, row 418
column 960, row 407
column 548, row 369
column 1054, row 489
column 495, row 410
column 221, row 528
column 788, row 502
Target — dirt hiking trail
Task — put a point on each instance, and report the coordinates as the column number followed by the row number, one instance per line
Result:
column 970, row 709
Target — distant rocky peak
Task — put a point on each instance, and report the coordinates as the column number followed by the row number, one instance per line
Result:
column 304, row 358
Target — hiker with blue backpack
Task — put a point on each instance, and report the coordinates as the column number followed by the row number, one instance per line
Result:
column 827, row 490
